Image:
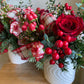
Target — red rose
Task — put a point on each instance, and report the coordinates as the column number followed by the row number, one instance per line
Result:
column 69, row 25
column 1, row 27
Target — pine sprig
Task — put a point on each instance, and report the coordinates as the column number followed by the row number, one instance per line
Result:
column 39, row 65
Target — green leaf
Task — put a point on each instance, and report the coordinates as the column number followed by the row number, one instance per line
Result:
column 46, row 37
column 44, row 43
column 3, row 36
column 79, row 4
column 82, row 8
column 5, row 23
column 52, row 38
column 82, row 67
column 30, row 53
column 31, row 58
column 4, row 45
column 47, row 42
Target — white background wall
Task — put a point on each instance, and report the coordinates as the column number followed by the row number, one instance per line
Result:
column 41, row 3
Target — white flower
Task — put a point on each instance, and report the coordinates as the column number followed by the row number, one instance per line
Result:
column 81, row 38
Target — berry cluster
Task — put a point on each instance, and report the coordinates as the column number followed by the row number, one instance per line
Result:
column 60, row 49
column 32, row 17
column 67, row 7
column 67, row 38
column 24, row 20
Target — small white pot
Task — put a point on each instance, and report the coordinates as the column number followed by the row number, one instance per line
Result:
column 15, row 58
column 54, row 75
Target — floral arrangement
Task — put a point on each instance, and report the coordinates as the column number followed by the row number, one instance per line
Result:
column 55, row 33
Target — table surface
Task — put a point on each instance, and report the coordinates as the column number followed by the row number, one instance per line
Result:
column 21, row 74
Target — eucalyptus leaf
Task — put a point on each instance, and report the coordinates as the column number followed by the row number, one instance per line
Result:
column 82, row 8
column 79, row 4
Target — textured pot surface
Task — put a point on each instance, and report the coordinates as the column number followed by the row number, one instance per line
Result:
column 54, row 75
column 15, row 58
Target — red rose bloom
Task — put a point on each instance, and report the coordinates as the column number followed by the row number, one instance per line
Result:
column 69, row 25
column 1, row 27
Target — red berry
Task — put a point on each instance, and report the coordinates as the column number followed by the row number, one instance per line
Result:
column 68, row 38
column 59, row 43
column 26, row 23
column 61, row 65
column 68, row 51
column 70, row 7
column 34, row 16
column 24, row 27
column 60, row 51
column 54, row 51
column 41, row 27
column 30, row 17
column 5, row 51
column 38, row 9
column 60, row 33
column 31, row 27
column 72, row 12
column 34, row 23
column 48, row 50
column 65, row 44
column 62, row 56
column 31, row 12
column 55, row 56
column 67, row 7
column 66, row 4
column 52, row 62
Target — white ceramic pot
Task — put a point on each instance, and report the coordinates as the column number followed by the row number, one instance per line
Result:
column 15, row 58
column 54, row 75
